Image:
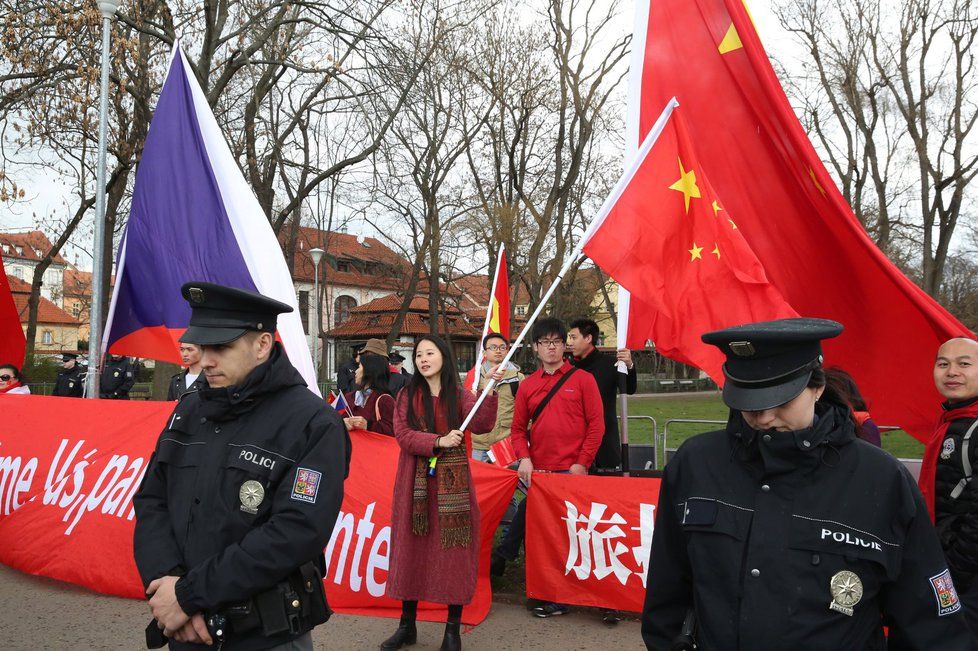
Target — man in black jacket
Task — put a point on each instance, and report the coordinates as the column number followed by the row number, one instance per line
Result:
column 582, row 337
column 71, row 378
column 345, row 373
column 243, row 490
column 191, row 378
column 118, row 376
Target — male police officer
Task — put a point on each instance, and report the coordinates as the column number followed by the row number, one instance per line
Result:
column 243, row 489
column 118, row 376
column 71, row 378
column 785, row 531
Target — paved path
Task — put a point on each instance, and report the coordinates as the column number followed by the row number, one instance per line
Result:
column 38, row 613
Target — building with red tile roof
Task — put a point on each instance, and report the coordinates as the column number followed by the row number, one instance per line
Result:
column 22, row 252
column 57, row 330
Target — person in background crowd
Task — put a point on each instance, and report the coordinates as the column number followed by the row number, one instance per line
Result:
column 371, row 405
column 379, row 347
column 118, row 376
column 397, row 364
column 71, row 378
column 243, row 490
column 567, row 431
column 435, row 519
column 582, row 337
column 11, row 380
column 782, row 531
column 843, row 384
column 947, row 471
column 189, row 379
column 494, row 348
column 344, row 375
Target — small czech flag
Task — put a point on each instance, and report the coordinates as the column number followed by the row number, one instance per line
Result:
column 340, row 405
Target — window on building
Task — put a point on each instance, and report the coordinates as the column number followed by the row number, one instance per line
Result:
column 47, row 337
column 6, row 248
column 520, row 310
column 341, row 309
column 343, row 265
column 304, row 310
column 17, row 272
column 19, row 249
column 76, row 310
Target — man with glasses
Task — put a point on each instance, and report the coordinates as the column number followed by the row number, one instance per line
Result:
column 494, row 348
column 559, row 410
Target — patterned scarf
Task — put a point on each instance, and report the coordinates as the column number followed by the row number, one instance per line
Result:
column 452, row 479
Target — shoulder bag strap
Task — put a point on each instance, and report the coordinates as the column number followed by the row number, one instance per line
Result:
column 965, row 462
column 551, row 394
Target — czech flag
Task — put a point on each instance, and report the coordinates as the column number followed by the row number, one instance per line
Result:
column 194, row 217
column 340, row 404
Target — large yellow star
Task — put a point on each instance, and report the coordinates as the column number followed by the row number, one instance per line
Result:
column 686, row 184
column 695, row 253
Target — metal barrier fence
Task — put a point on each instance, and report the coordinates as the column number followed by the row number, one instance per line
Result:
column 642, row 456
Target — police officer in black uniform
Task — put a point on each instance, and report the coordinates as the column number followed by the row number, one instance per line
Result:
column 71, row 378
column 243, row 489
column 784, row 530
column 118, row 376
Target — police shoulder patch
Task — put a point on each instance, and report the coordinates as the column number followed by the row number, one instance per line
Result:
column 944, row 592
column 306, row 486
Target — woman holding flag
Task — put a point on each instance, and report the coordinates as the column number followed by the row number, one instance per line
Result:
column 435, row 516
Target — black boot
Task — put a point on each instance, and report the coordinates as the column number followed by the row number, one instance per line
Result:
column 405, row 635
column 452, row 640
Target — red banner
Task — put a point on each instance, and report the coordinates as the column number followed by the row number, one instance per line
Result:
column 70, row 467
column 588, row 539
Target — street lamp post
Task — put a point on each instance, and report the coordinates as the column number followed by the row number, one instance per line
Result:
column 317, row 256
column 108, row 9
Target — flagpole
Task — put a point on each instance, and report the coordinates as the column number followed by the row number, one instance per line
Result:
column 485, row 326
column 621, row 332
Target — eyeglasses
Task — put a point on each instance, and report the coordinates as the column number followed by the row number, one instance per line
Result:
column 550, row 343
column 496, row 349
column 6, row 378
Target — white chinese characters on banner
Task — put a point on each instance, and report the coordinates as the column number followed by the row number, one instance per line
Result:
column 598, row 543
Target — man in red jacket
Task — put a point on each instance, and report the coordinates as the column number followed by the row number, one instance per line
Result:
column 566, row 431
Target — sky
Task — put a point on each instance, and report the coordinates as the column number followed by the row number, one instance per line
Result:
column 49, row 195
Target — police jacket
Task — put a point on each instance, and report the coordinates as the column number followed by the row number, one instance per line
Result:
column 244, row 487
column 70, row 382
column 118, row 376
column 346, row 375
column 957, row 517
column 809, row 539
column 178, row 385
column 604, row 368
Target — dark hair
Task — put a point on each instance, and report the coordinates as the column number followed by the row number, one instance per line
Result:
column 831, row 393
column 842, row 384
column 548, row 325
column 587, row 327
column 376, row 374
column 485, row 341
column 449, row 395
column 17, row 374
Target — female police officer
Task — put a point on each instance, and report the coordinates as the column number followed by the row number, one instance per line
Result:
column 784, row 531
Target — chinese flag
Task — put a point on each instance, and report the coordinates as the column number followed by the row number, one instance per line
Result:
column 770, row 180
column 13, row 345
column 499, row 301
column 666, row 237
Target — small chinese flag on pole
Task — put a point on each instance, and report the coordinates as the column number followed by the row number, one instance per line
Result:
column 665, row 236
column 497, row 314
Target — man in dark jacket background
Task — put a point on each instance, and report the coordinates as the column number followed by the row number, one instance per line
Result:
column 582, row 339
column 71, row 378
column 118, row 376
column 243, row 489
column 191, row 378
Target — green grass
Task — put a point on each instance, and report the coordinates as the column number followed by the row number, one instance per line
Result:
column 666, row 407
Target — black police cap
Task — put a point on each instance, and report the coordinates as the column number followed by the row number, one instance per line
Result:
column 395, row 357
column 67, row 357
column 220, row 314
column 770, row 363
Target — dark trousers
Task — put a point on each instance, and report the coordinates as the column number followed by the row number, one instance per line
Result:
column 509, row 546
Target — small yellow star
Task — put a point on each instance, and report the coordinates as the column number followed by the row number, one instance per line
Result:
column 695, row 253
column 716, row 208
column 687, row 185
column 732, row 224
column 716, row 250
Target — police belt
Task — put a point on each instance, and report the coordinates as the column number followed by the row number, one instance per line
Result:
column 294, row 605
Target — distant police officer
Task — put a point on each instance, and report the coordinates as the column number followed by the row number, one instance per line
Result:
column 71, row 378
column 191, row 378
column 785, row 531
column 243, row 489
column 118, row 376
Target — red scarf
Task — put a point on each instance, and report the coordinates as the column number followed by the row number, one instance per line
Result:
column 928, row 468
column 13, row 385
